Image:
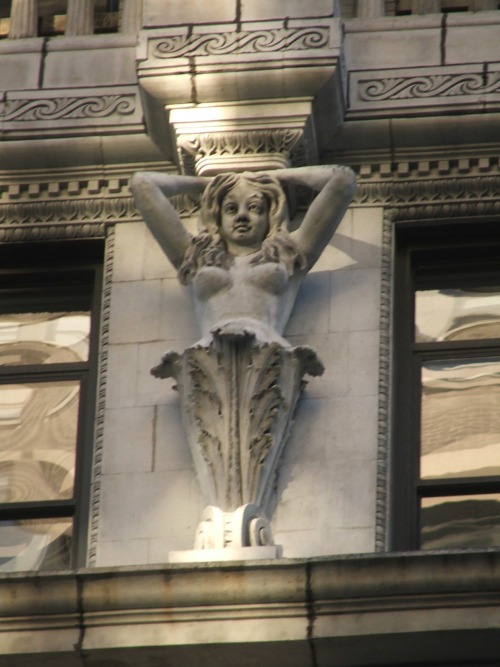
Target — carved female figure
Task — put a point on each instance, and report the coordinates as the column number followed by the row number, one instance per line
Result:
column 239, row 384
column 244, row 265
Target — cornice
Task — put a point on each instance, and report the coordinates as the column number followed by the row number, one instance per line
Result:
column 82, row 202
column 423, row 189
column 324, row 606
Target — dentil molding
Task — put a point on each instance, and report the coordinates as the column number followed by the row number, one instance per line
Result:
column 82, row 203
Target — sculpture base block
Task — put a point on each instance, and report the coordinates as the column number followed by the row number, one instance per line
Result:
column 229, row 554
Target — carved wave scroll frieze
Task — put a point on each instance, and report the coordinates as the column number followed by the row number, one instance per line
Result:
column 428, row 86
column 62, row 108
column 255, row 41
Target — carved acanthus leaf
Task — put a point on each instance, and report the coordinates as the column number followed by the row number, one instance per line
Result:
column 238, row 399
column 243, row 143
column 210, row 151
column 82, row 210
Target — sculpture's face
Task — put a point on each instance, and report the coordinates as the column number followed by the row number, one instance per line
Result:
column 244, row 218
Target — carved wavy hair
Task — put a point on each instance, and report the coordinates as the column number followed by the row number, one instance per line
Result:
column 208, row 247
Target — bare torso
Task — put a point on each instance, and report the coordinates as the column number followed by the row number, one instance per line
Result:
column 257, row 298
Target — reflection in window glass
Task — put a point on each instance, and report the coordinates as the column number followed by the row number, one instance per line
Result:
column 38, row 428
column 34, row 544
column 457, row 314
column 456, row 522
column 31, row 338
column 460, row 418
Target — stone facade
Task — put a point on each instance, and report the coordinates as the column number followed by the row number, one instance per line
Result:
column 412, row 104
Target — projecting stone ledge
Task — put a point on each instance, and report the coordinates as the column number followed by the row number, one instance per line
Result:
column 367, row 609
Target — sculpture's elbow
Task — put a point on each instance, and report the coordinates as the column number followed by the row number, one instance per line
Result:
column 138, row 181
column 347, row 181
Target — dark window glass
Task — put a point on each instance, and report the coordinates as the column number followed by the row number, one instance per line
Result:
column 446, row 448
column 49, row 299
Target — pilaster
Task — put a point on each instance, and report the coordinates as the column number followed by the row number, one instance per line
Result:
column 23, row 19
column 131, row 17
column 80, row 17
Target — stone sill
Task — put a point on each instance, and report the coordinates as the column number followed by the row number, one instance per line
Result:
column 319, row 605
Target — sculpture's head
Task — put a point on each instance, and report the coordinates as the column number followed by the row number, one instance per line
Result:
column 244, row 208
column 242, row 214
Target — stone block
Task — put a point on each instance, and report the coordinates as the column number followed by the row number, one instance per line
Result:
column 20, row 64
column 357, row 484
column 119, row 553
column 179, row 12
column 338, row 252
column 129, row 434
column 135, row 311
column 355, row 300
column 352, row 428
column 264, row 10
column 160, row 547
column 171, row 445
column 343, row 541
column 299, row 543
column 178, row 321
column 473, row 41
column 307, row 443
column 88, row 61
column 363, row 363
column 128, row 258
column 367, row 236
column 298, row 490
column 310, row 313
column 333, row 350
column 156, row 265
column 122, row 376
column 146, row 505
column 409, row 40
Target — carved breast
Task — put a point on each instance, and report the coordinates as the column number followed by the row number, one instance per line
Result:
column 270, row 277
column 209, row 280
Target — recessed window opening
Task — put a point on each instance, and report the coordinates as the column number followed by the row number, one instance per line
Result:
column 49, row 300
column 446, row 448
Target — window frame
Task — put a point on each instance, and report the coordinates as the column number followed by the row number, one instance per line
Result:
column 420, row 249
column 80, row 262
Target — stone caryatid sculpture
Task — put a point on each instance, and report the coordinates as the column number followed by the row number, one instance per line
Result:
column 239, row 384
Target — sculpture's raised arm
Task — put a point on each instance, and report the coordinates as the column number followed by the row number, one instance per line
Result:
column 335, row 186
column 151, row 190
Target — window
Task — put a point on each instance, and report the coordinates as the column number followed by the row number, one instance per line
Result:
column 48, row 339
column 5, row 18
column 446, row 436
